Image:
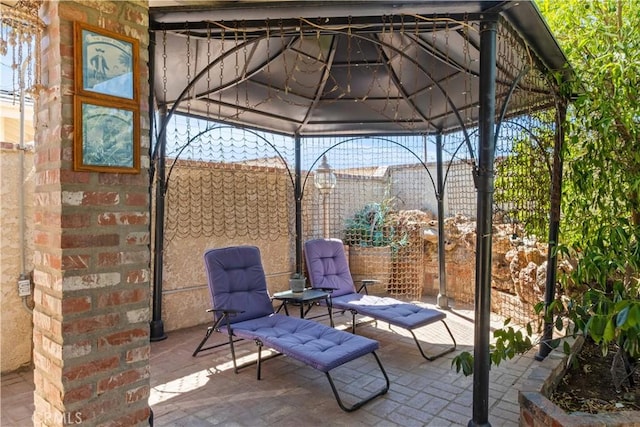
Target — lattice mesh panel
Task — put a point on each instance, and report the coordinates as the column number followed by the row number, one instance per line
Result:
column 227, row 182
column 523, row 168
column 459, row 158
column 380, row 182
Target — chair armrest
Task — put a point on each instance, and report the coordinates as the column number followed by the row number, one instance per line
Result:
column 365, row 283
column 222, row 317
column 225, row 312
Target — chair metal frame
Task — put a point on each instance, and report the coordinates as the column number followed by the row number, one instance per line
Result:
column 223, row 324
column 355, row 312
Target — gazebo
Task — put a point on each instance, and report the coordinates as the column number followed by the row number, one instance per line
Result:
column 470, row 79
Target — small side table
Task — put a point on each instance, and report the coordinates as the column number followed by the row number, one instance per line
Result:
column 306, row 298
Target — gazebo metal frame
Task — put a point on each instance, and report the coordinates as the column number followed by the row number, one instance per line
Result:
column 371, row 23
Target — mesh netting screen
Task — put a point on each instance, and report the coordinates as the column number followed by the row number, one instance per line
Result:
column 226, row 181
column 383, row 197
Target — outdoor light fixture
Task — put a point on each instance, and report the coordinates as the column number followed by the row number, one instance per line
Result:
column 325, row 181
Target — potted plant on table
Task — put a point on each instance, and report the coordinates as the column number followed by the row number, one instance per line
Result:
column 297, row 283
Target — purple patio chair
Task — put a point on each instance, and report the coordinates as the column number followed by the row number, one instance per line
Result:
column 328, row 269
column 242, row 308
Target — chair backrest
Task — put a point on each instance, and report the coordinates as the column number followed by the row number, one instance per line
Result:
column 328, row 267
column 236, row 281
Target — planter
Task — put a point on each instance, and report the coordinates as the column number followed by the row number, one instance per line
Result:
column 369, row 262
column 537, row 410
column 297, row 285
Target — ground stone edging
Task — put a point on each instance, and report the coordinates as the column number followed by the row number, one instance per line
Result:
column 537, row 410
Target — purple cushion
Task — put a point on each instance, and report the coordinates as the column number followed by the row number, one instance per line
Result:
column 312, row 343
column 328, row 267
column 236, row 281
column 390, row 310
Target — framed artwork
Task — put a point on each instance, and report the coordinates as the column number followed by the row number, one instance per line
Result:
column 107, row 136
column 106, row 105
column 106, row 63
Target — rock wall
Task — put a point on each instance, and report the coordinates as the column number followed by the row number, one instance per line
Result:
column 519, row 265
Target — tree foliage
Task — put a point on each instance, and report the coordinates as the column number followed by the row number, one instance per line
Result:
column 602, row 181
column 600, row 226
column 601, row 205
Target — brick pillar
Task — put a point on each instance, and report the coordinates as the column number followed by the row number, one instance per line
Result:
column 92, row 259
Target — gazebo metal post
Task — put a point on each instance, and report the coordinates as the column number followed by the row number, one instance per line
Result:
column 554, row 231
column 485, row 184
column 297, row 189
column 157, row 325
column 443, row 300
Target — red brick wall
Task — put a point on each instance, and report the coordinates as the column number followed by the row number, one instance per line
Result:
column 92, row 260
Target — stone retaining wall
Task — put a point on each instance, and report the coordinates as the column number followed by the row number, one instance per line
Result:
column 518, row 266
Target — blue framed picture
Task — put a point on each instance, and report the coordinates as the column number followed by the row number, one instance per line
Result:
column 106, row 63
column 107, row 137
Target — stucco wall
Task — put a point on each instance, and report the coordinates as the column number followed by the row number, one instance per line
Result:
column 16, row 319
column 185, row 296
column 214, row 205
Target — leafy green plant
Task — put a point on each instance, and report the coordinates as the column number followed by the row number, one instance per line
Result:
column 602, row 179
column 608, row 311
column 372, row 226
column 601, row 188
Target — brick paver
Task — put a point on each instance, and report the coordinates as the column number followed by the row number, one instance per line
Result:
column 204, row 391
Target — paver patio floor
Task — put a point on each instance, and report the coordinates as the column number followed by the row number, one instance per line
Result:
column 204, row 390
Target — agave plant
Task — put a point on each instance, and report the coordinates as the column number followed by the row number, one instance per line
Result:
column 372, row 226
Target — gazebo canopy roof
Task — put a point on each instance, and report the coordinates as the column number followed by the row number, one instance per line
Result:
column 341, row 67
